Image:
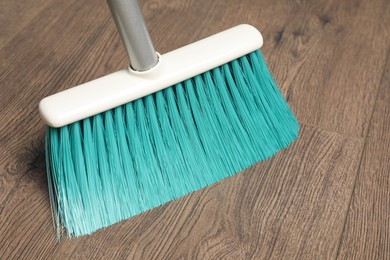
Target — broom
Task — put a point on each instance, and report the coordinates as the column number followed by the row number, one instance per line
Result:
column 164, row 127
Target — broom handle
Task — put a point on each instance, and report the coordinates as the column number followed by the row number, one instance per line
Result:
column 135, row 36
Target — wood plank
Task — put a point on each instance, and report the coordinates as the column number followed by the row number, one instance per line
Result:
column 331, row 56
column 15, row 15
column 291, row 206
column 367, row 230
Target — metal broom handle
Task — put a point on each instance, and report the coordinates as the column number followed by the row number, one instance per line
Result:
column 135, row 36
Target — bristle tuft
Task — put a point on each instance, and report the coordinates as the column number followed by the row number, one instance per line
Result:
column 158, row 148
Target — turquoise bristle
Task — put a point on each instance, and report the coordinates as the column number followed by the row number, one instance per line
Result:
column 132, row 158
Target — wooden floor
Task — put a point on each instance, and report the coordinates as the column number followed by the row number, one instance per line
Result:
column 325, row 197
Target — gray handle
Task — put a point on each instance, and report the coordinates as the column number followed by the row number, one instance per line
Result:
column 135, row 36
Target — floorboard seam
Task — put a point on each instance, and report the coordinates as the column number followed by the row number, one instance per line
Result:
column 362, row 153
column 333, row 130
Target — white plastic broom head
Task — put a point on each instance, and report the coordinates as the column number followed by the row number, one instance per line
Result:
column 126, row 85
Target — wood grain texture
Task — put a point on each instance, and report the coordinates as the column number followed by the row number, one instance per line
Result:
column 336, row 51
column 329, row 57
column 288, row 207
column 15, row 15
column 367, row 230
